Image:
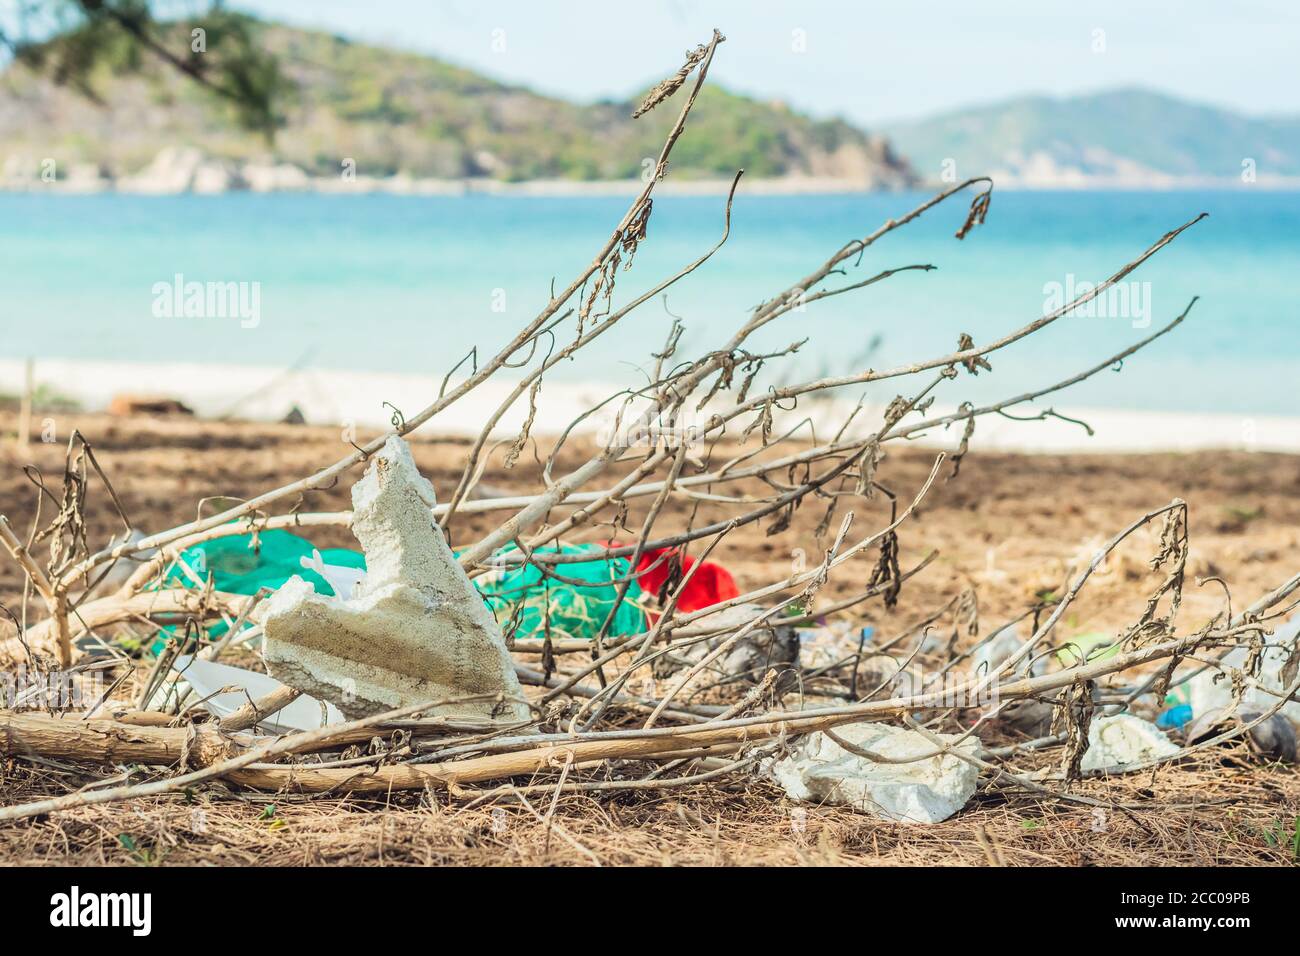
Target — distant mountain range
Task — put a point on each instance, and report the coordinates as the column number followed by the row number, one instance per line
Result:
column 360, row 116
column 1128, row 137
column 400, row 117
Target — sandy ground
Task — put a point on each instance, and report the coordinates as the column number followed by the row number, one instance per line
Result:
column 1009, row 526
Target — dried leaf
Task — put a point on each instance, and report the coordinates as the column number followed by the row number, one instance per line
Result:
column 1073, row 715
column 668, row 87
column 979, row 208
column 975, row 362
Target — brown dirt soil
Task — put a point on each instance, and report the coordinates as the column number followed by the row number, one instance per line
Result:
column 1009, row 526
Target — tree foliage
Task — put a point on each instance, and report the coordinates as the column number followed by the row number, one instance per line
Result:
column 73, row 41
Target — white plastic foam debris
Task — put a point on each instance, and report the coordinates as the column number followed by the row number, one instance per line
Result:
column 1123, row 741
column 928, row 790
column 224, row 689
column 414, row 630
column 343, row 580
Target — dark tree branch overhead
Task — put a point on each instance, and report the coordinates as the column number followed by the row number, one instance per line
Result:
column 69, row 39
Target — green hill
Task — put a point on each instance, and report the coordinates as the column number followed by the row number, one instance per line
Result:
column 395, row 112
column 1129, row 135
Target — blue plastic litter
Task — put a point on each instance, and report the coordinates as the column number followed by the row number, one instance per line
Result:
column 1175, row 717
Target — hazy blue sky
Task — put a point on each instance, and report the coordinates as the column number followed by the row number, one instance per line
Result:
column 864, row 59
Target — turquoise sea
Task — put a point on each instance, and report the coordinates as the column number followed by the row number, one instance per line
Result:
column 411, row 284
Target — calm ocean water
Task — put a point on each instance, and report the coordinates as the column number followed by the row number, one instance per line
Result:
column 411, row 284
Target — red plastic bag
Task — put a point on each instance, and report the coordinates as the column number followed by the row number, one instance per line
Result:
column 710, row 584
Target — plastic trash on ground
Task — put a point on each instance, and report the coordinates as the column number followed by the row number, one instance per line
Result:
column 528, row 604
column 519, row 597
column 993, row 653
column 1123, row 741
column 767, row 646
column 1175, row 717
column 415, row 630
column 1273, row 738
column 224, row 689
column 120, row 570
column 1088, row 649
column 1033, row 718
column 245, row 563
column 343, row 580
column 830, row 643
column 710, row 584
column 927, row 790
column 1212, row 689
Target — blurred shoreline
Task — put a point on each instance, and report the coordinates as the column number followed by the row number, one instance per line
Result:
column 179, row 171
column 368, row 400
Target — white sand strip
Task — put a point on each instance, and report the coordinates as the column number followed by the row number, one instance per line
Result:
column 327, row 396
